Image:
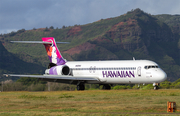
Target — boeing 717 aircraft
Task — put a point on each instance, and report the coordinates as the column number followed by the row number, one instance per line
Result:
column 104, row 73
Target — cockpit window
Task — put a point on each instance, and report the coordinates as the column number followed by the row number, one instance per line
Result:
column 151, row 66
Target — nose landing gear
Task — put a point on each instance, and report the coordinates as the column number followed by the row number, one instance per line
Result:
column 156, row 86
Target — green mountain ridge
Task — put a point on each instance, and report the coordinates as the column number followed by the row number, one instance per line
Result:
column 134, row 34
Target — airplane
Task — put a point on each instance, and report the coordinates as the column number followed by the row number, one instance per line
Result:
column 103, row 73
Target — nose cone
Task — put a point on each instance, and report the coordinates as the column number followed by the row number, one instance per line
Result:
column 162, row 76
column 159, row 76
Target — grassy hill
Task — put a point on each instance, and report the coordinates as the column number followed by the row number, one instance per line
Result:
column 134, row 34
column 10, row 63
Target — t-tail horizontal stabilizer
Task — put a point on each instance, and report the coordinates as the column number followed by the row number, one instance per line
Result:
column 41, row 42
column 53, row 52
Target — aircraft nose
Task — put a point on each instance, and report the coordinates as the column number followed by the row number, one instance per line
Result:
column 162, row 75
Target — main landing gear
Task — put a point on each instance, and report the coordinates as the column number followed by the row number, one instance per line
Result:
column 106, row 87
column 80, row 86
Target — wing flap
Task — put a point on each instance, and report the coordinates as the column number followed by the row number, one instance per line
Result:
column 55, row 77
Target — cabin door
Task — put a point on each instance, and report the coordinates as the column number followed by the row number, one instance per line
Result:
column 139, row 71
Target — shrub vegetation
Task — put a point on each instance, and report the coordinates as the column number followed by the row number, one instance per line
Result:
column 32, row 84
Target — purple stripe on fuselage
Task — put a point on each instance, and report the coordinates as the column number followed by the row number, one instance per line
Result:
column 53, row 71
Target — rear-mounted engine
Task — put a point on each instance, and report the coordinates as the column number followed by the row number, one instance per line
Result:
column 65, row 70
column 58, row 70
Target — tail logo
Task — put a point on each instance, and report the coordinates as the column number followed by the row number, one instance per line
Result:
column 53, row 52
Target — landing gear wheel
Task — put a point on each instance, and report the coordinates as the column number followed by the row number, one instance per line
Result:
column 80, row 87
column 156, row 87
column 106, row 87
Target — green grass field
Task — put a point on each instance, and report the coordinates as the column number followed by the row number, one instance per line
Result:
column 90, row 102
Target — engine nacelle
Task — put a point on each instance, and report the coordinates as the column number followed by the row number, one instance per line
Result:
column 58, row 70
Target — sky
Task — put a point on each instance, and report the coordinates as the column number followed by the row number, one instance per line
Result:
column 29, row 14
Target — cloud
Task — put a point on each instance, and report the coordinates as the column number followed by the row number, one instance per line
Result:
column 29, row 14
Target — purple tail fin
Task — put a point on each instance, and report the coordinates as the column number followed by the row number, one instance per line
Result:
column 53, row 52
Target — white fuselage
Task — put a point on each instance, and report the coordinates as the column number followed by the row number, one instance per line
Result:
column 117, row 72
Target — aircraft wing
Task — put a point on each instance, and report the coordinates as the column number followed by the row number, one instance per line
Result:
column 55, row 77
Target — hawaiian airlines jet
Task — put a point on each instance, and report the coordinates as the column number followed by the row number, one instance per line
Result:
column 96, row 72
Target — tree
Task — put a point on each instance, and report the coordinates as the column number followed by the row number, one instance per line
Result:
column 21, row 31
column 46, row 29
column 63, row 27
column 51, row 27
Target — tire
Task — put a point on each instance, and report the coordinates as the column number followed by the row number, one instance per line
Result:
column 155, row 87
column 106, row 87
column 80, row 87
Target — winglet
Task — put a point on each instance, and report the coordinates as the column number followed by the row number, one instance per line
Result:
column 53, row 52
